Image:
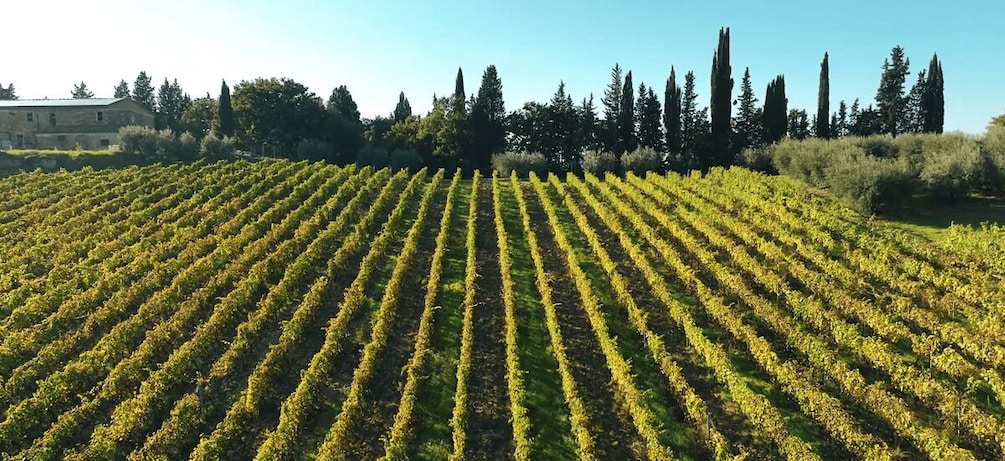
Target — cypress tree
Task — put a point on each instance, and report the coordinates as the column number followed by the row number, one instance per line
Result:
column 626, row 121
column 933, row 99
column 403, row 110
column 612, row 111
column 823, row 101
column 721, row 102
column 775, row 117
column 671, row 115
column 226, row 111
column 459, row 96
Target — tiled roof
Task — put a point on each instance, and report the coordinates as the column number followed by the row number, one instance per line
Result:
column 92, row 102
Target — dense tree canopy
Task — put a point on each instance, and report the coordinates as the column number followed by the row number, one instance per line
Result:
column 172, row 102
column 274, row 115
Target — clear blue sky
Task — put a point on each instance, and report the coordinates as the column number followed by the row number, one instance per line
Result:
column 380, row 47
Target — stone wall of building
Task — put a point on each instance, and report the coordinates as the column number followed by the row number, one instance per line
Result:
column 67, row 127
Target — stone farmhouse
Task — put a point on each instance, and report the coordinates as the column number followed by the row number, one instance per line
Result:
column 65, row 123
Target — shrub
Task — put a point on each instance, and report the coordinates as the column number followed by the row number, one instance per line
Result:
column 373, row 156
column 598, row 163
column 808, row 159
column 401, row 159
column 214, row 147
column 947, row 175
column 522, row 163
column 642, row 160
column 758, row 159
column 185, row 147
column 151, row 144
column 314, row 149
column 881, row 146
column 870, row 184
column 142, row 141
column 994, row 140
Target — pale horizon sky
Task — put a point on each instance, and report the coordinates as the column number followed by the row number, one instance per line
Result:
column 380, row 47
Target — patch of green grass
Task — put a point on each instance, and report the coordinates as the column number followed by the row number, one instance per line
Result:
column 435, row 400
column 551, row 430
column 674, row 431
column 932, row 220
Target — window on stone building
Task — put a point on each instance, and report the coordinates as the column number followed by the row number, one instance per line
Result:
column 61, row 141
column 20, row 141
column 52, row 119
column 31, row 117
column 105, row 144
column 101, row 116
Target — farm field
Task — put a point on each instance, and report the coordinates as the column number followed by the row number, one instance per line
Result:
column 279, row 310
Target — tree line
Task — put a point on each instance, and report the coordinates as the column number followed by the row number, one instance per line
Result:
column 281, row 117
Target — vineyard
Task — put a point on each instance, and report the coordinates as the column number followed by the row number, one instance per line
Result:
column 280, row 310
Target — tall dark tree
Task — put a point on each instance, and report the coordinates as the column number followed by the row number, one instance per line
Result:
column 565, row 146
column 589, row 128
column 626, row 120
column 914, row 115
column 933, row 101
column 671, row 115
column 226, row 111
column 693, row 127
column 144, row 93
column 8, row 94
column 488, row 121
column 775, row 115
column 122, row 89
column 824, row 101
column 612, row 111
column 344, row 127
column 721, row 102
column 459, row 100
column 864, row 122
column 403, row 110
column 799, row 124
column 529, row 128
column 81, row 91
column 746, row 130
column 890, row 100
column 840, row 128
column 171, row 104
column 650, row 130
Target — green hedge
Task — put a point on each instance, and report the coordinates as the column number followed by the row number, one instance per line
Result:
column 877, row 173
